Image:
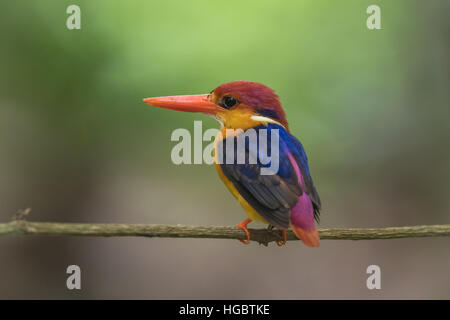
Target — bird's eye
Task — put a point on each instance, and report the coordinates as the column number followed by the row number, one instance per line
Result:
column 228, row 102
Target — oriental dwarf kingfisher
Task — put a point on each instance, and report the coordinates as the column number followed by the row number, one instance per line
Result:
column 284, row 199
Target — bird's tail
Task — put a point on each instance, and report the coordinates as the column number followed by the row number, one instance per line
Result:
column 302, row 221
column 302, row 214
column 309, row 238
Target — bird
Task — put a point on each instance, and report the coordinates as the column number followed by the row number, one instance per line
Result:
column 284, row 199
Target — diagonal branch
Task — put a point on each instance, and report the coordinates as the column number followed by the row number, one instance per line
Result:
column 263, row 236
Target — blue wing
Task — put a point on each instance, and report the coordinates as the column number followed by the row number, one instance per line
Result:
column 272, row 196
column 296, row 149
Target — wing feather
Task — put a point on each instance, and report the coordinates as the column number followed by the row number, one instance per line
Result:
column 271, row 196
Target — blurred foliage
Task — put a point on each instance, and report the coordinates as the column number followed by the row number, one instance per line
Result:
column 78, row 144
column 368, row 105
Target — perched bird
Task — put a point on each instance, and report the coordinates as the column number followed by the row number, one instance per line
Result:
column 286, row 198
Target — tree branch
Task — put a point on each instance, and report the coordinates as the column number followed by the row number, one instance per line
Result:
column 263, row 236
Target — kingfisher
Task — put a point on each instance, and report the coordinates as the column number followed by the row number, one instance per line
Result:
column 284, row 198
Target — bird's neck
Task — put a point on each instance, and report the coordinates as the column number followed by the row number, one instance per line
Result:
column 243, row 119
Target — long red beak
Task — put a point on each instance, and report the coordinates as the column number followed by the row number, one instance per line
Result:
column 194, row 103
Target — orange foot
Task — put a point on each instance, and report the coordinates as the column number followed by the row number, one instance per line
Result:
column 282, row 242
column 243, row 226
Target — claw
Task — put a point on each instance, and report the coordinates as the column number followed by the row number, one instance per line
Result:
column 282, row 242
column 243, row 226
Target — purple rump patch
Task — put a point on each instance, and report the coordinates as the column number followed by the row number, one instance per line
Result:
column 302, row 214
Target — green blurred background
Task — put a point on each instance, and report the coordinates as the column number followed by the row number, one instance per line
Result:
column 77, row 144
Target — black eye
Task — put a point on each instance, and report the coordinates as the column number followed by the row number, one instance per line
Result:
column 228, row 102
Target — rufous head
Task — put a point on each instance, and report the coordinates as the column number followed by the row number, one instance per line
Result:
column 232, row 102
